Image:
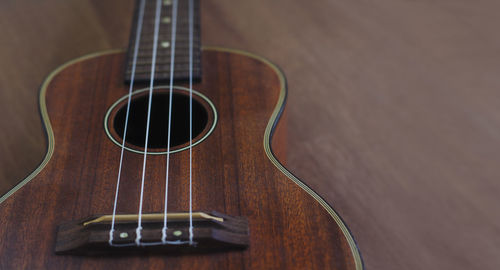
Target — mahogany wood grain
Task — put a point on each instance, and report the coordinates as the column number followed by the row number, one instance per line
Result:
column 232, row 174
column 393, row 108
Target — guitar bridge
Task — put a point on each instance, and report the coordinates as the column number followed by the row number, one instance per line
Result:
column 211, row 232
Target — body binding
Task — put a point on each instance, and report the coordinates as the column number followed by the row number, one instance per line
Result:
column 235, row 172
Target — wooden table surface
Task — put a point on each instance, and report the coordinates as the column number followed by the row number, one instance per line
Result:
column 394, row 108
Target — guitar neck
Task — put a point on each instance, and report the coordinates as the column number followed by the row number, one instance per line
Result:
column 163, row 59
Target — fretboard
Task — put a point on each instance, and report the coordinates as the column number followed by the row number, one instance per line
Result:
column 145, row 52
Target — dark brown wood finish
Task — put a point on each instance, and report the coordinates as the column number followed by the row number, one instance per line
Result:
column 145, row 52
column 232, row 174
column 85, row 237
column 393, row 108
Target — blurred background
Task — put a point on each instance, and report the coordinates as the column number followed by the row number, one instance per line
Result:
column 393, row 109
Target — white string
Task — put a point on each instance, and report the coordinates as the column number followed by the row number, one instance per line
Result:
column 151, row 81
column 190, row 121
column 171, row 86
column 134, row 62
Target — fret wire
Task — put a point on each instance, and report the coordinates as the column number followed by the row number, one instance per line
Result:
column 165, row 72
column 160, row 56
column 163, row 54
column 181, row 42
column 164, row 66
column 164, row 63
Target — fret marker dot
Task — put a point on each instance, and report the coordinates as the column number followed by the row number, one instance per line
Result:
column 167, row 2
column 177, row 233
column 165, row 20
column 165, row 44
column 123, row 235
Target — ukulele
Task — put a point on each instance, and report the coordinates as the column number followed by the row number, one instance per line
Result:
column 168, row 156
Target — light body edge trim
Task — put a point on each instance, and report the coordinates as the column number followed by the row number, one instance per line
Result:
column 267, row 139
column 46, row 121
column 273, row 120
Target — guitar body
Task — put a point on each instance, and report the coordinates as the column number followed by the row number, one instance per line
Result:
column 234, row 172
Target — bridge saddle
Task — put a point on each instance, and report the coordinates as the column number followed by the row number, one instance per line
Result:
column 211, row 232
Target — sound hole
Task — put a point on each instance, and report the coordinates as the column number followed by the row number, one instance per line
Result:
column 136, row 130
